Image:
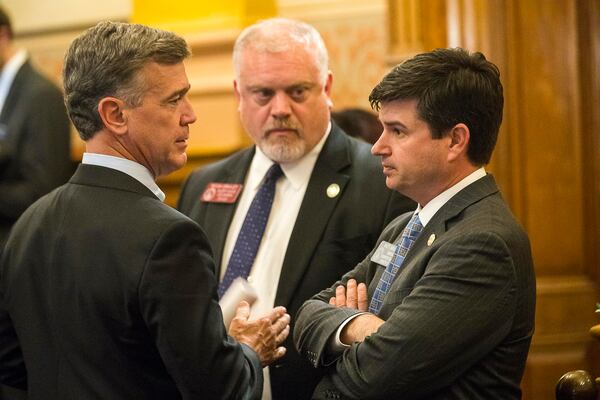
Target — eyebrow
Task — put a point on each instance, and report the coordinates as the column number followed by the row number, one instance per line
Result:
column 292, row 86
column 180, row 92
column 394, row 124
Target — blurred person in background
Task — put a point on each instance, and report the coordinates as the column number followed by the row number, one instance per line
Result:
column 358, row 123
column 34, row 132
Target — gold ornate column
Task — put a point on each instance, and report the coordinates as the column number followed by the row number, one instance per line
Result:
column 415, row 26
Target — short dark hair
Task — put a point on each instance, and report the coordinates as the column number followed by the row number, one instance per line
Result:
column 5, row 21
column 451, row 86
column 105, row 61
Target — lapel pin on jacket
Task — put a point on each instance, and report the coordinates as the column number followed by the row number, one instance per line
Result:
column 431, row 239
column 333, row 190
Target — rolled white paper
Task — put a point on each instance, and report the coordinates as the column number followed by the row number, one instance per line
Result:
column 239, row 290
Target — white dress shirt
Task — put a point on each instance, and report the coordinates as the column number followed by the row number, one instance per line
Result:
column 289, row 193
column 9, row 71
column 135, row 170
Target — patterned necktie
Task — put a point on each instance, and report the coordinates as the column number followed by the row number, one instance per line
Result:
column 409, row 235
column 250, row 236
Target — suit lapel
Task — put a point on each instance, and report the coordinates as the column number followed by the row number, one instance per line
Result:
column 218, row 216
column 314, row 213
column 440, row 222
column 473, row 193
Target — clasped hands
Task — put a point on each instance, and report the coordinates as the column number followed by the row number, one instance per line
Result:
column 355, row 296
column 264, row 335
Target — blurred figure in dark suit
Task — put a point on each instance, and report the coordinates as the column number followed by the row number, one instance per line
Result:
column 34, row 132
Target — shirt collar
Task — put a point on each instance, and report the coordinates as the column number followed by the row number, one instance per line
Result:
column 129, row 167
column 297, row 172
column 427, row 212
column 9, row 71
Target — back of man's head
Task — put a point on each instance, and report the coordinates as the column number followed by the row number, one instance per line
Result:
column 277, row 35
column 104, row 61
column 451, row 86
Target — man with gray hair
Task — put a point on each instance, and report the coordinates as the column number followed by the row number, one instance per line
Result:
column 105, row 292
column 305, row 203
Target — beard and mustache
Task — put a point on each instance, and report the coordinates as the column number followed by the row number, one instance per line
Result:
column 283, row 149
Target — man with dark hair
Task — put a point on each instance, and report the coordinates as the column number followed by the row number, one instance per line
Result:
column 327, row 203
column 105, row 291
column 443, row 307
column 34, row 132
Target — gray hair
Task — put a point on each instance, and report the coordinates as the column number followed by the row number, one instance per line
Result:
column 105, row 61
column 276, row 35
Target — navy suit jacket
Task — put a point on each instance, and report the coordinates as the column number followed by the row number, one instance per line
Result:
column 459, row 315
column 331, row 235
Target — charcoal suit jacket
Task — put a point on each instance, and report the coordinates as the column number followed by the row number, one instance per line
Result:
column 459, row 315
column 106, row 292
column 34, row 144
column 330, row 236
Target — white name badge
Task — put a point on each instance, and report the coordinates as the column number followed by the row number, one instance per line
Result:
column 384, row 253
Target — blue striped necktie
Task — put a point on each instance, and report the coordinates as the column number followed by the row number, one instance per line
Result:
column 409, row 235
column 251, row 232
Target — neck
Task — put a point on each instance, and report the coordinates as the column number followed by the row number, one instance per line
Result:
column 450, row 180
column 105, row 143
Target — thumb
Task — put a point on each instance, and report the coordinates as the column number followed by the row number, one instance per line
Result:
column 243, row 310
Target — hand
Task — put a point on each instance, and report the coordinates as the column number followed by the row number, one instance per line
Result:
column 360, row 327
column 352, row 296
column 263, row 335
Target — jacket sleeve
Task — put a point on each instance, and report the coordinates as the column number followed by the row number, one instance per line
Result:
column 12, row 365
column 456, row 313
column 179, row 303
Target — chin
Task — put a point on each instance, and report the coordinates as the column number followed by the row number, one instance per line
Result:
column 284, row 151
column 176, row 164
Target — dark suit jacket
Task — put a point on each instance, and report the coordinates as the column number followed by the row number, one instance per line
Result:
column 459, row 315
column 111, row 294
column 330, row 236
column 34, row 144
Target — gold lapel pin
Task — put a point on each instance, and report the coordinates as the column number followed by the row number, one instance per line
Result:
column 333, row 190
column 431, row 239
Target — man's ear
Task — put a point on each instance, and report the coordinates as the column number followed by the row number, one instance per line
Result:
column 328, row 83
column 113, row 115
column 460, row 137
column 236, row 91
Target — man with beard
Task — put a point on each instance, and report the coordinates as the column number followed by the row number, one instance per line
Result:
column 322, row 202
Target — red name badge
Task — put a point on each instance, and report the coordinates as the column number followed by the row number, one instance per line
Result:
column 221, row 192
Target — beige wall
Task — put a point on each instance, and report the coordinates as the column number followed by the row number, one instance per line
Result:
column 42, row 15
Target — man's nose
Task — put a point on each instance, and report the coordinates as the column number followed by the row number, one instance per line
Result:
column 188, row 116
column 380, row 147
column 280, row 106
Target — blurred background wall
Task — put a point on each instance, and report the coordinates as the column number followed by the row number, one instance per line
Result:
column 547, row 160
